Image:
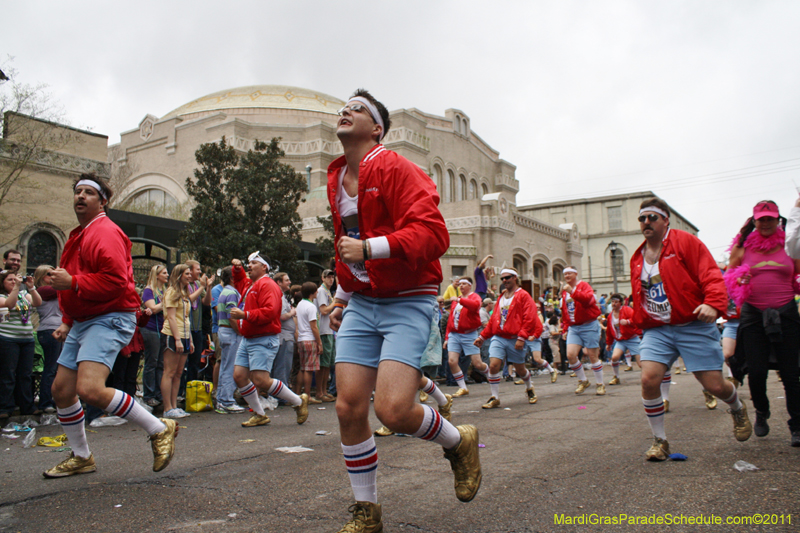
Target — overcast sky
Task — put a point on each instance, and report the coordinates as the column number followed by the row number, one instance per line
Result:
column 695, row 100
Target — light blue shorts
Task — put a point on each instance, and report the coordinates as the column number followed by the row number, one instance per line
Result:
column 631, row 344
column 730, row 328
column 586, row 335
column 385, row 329
column 696, row 342
column 502, row 348
column 98, row 339
column 463, row 343
column 534, row 346
column 257, row 353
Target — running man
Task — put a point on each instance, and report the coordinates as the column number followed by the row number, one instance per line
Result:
column 535, row 342
column 579, row 312
column 462, row 330
column 621, row 334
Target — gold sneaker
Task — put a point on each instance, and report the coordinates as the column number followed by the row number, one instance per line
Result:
column 659, row 451
column 444, row 410
column 742, row 428
column 678, row 370
column 466, row 463
column 163, row 445
column 582, row 386
column 666, row 406
column 614, row 381
column 383, row 431
column 553, row 376
column 71, row 466
column 366, row 518
column 302, row 409
column 628, row 368
column 573, row 375
column 256, row 420
column 461, row 392
column 601, row 389
column 493, row 403
column 711, row 400
column 519, row 382
column 312, row 400
column 423, row 396
column 531, row 395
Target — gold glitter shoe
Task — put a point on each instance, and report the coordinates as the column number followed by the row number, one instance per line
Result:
column 493, row 403
column 659, row 451
column 573, row 375
column 666, row 406
column 553, row 376
column 531, row 396
column 711, row 401
column 383, row 431
column 423, row 396
column 366, row 518
column 628, row 368
column 742, row 428
column 601, row 389
column 256, row 420
column 302, row 409
column 466, row 463
column 71, row 466
column 461, row 392
column 163, row 444
column 519, row 382
column 614, row 381
column 444, row 410
column 582, row 386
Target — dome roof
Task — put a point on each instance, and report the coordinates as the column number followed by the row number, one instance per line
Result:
column 262, row 96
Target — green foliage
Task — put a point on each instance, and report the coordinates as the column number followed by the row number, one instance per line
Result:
column 243, row 204
column 325, row 244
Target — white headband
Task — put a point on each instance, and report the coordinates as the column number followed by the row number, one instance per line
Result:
column 654, row 210
column 569, row 269
column 508, row 271
column 94, row 185
column 256, row 257
column 372, row 111
column 465, row 280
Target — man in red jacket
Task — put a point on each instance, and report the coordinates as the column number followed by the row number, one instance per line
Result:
column 462, row 330
column 678, row 293
column 98, row 299
column 621, row 334
column 389, row 235
column 579, row 312
column 508, row 329
column 259, row 324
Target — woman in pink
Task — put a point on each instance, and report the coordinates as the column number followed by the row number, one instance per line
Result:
column 762, row 279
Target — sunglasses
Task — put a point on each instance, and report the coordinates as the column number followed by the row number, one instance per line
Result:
column 506, row 278
column 353, row 108
column 650, row 218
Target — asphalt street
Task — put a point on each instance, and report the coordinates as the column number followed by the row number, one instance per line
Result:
column 568, row 456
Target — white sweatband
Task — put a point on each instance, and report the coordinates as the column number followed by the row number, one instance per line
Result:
column 379, row 248
column 569, row 269
column 654, row 210
column 508, row 271
column 342, row 294
column 465, row 280
column 372, row 111
column 94, row 185
column 256, row 257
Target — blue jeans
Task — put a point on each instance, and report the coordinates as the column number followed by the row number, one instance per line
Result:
column 153, row 364
column 282, row 366
column 229, row 344
column 52, row 349
column 16, row 375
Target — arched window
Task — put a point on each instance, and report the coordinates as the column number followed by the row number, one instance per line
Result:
column 473, row 189
column 465, row 127
column 457, row 124
column 451, row 180
column 484, row 189
column 521, row 266
column 42, row 250
column 618, row 263
column 153, row 199
column 462, row 187
column 558, row 274
column 437, row 180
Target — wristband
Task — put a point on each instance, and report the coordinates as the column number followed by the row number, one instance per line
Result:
column 339, row 306
column 364, row 249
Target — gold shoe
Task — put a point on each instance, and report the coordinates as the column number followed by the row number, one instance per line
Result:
column 614, row 381
column 312, row 400
column 328, row 399
column 366, row 518
column 461, row 392
column 466, row 463
column 71, row 466
column 742, row 428
column 256, row 420
column 531, row 395
column 582, row 386
column 519, row 382
column 423, row 396
column 573, row 375
column 444, row 410
column 383, row 431
column 666, row 406
column 733, row 380
column 493, row 403
column 678, row 370
column 628, row 368
column 163, row 445
column 302, row 409
column 601, row 389
column 711, row 401
column 659, row 451
column 553, row 376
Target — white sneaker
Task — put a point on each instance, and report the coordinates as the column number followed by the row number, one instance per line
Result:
column 172, row 413
column 235, row 408
column 183, row 414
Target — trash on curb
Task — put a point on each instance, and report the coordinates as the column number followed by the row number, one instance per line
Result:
column 322, row 433
column 293, row 449
column 744, row 466
column 53, row 442
column 30, row 439
column 105, row 421
column 677, row 457
column 9, row 436
column 48, row 420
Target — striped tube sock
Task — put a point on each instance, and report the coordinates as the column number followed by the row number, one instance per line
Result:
column 250, row 393
column 628, row 360
column 654, row 409
column 434, row 392
column 494, row 383
column 598, row 372
column 578, row 369
column 527, row 379
column 124, row 406
column 436, row 429
column 485, row 370
column 548, row 368
column 615, row 368
column 280, row 390
column 362, row 467
column 72, row 422
column 733, row 402
column 665, row 383
column 459, row 377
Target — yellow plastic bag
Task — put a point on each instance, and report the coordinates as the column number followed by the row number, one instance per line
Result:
column 53, row 442
column 198, row 396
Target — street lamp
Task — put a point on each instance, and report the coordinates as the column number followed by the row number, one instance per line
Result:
column 613, row 248
column 308, row 176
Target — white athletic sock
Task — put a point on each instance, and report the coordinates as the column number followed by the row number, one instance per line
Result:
column 527, row 379
column 628, row 360
column 280, row 390
column 434, row 392
column 665, row 383
column 578, row 369
column 494, row 383
column 459, row 377
column 654, row 409
column 615, row 368
column 124, row 406
column 72, row 422
column 549, row 368
column 362, row 467
column 436, row 429
column 598, row 372
column 733, row 401
column 250, row 393
column 485, row 370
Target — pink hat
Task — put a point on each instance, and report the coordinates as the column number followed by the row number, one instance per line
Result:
column 765, row 209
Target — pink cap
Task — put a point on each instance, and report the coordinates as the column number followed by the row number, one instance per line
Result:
column 765, row 209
